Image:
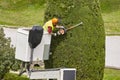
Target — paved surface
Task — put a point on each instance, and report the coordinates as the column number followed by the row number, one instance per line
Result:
column 12, row 33
column 113, row 51
column 112, row 47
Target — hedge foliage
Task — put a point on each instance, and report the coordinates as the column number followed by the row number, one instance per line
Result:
column 11, row 76
column 7, row 59
column 83, row 47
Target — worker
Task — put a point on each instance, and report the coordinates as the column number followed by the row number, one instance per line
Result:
column 51, row 25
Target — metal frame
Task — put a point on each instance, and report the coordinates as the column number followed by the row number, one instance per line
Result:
column 57, row 74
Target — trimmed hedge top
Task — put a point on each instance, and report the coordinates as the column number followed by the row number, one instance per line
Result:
column 83, row 47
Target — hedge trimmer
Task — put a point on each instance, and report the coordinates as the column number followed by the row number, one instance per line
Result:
column 81, row 23
column 64, row 30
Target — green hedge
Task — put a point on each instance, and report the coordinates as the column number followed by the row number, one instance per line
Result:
column 11, row 76
column 83, row 47
column 7, row 56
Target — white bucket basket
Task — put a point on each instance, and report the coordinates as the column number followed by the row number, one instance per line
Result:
column 23, row 50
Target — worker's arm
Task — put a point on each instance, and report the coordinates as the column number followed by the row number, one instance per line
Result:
column 49, row 30
column 61, row 31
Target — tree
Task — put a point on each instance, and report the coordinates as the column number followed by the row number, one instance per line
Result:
column 82, row 48
column 7, row 59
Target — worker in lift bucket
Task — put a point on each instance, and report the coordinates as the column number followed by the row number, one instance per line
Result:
column 51, row 25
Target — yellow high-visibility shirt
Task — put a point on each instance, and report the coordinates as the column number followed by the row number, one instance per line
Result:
column 49, row 23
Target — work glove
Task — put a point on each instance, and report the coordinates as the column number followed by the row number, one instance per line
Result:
column 54, row 34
